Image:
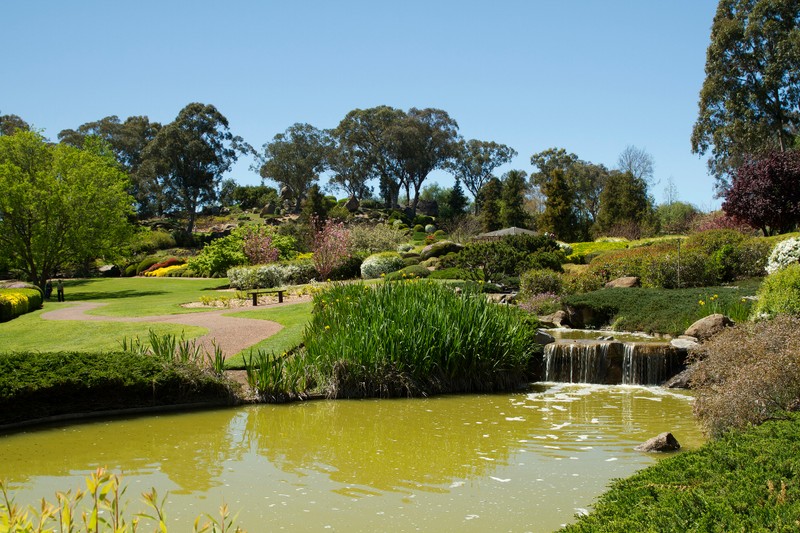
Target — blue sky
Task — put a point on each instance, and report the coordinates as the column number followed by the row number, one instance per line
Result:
column 590, row 76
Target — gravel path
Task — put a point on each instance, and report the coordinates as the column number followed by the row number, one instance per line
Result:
column 231, row 334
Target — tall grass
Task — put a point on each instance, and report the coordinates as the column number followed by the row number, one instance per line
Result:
column 276, row 378
column 414, row 338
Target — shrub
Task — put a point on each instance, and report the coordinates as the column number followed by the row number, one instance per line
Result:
column 405, row 247
column 257, row 245
column 295, row 272
column 350, row 268
column 130, row 270
column 439, row 249
column 149, row 241
column 163, row 264
column 439, row 234
column 410, row 260
column 218, row 256
column 545, row 303
column 450, row 273
column 377, row 238
column 539, row 281
column 541, row 259
column 146, row 263
column 418, row 228
column 166, row 271
column 748, row 374
column 423, row 220
column 430, row 228
column 780, row 293
column 415, row 338
column 381, row 263
column 331, row 247
column 16, row 302
column 783, row 254
column 580, row 282
column 409, row 272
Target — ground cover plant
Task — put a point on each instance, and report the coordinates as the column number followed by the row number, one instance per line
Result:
column 414, row 338
column 745, row 481
column 663, row 310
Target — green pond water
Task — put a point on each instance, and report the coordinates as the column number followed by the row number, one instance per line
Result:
column 511, row 462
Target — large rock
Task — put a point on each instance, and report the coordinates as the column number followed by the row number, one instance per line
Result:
column 664, row 442
column 687, row 343
column 439, row 249
column 542, row 337
column 268, row 209
column 682, row 380
column 352, row 204
column 559, row 319
column 623, row 283
column 109, row 271
column 707, row 327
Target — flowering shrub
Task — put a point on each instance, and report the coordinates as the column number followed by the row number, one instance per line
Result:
column 165, row 271
column 15, row 302
column 784, row 254
column 544, row 303
column 163, row 264
column 372, row 239
column 381, row 263
column 258, row 246
column 331, row 247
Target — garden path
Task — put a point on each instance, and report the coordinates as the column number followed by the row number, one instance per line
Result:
column 231, row 334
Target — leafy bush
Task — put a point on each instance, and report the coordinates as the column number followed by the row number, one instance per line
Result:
column 149, row 241
column 579, row 282
column 552, row 260
column 163, row 264
column 538, row 281
column 439, row 249
column 381, row 263
column 378, row 238
column 780, row 293
column 748, row 374
column 15, row 302
column 490, row 260
column 418, row 228
column 130, row 270
column 450, row 273
column 544, row 303
column 219, row 255
column 531, row 243
column 409, row 272
column 414, row 338
column 784, row 254
column 405, row 247
column 295, row 272
column 430, row 228
column 167, row 271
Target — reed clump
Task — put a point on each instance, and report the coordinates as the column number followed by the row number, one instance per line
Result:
column 415, row 338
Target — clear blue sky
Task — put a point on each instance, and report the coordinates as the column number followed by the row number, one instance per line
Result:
column 591, row 76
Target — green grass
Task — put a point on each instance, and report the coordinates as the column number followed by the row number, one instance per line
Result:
column 30, row 332
column 746, row 481
column 663, row 310
column 293, row 318
column 141, row 296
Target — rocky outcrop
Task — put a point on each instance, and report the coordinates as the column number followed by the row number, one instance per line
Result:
column 682, row 380
column 559, row 319
column 707, row 327
column 109, row 271
column 623, row 283
column 664, row 442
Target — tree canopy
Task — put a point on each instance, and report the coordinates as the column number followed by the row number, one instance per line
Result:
column 9, row 124
column 295, row 159
column 59, row 204
column 190, row 155
column 475, row 161
column 750, row 99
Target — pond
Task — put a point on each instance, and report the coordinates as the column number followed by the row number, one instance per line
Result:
column 510, row 462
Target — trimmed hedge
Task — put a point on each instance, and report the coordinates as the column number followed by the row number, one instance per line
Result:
column 36, row 385
column 15, row 302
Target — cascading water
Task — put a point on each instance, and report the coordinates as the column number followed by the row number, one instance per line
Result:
column 611, row 362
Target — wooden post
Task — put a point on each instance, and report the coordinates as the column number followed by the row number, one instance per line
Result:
column 255, row 298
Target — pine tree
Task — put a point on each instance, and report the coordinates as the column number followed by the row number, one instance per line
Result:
column 512, row 213
column 559, row 215
column 456, row 201
column 490, row 205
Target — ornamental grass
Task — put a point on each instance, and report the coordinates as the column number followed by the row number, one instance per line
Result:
column 415, row 338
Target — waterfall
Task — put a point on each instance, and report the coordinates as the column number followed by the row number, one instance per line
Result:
column 576, row 362
column 611, row 362
column 650, row 364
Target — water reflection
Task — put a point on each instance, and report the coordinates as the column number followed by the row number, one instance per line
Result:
column 498, row 462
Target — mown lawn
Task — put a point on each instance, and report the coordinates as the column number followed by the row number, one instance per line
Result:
column 293, row 318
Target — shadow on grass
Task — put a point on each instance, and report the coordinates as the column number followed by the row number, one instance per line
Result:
column 77, row 295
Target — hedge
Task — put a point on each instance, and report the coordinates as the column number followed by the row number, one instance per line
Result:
column 15, row 302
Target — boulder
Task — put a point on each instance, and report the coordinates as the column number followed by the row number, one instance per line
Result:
column 685, row 342
column 439, row 249
column 664, row 442
column 352, row 204
column 559, row 319
column 682, row 380
column 109, row 271
column 623, row 283
column 268, row 209
column 707, row 327
column 542, row 337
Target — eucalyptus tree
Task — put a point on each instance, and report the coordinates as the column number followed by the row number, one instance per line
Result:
column 190, row 155
column 639, row 162
column 295, row 159
column 9, row 124
column 476, row 161
column 351, row 168
column 423, row 141
column 367, row 136
column 127, row 140
column 750, row 99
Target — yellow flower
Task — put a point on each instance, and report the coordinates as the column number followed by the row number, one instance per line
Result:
column 327, row 327
column 701, row 302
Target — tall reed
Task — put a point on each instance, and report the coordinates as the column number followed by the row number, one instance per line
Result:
column 414, row 338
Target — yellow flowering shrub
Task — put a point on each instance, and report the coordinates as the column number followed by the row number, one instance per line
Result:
column 15, row 302
column 163, row 271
